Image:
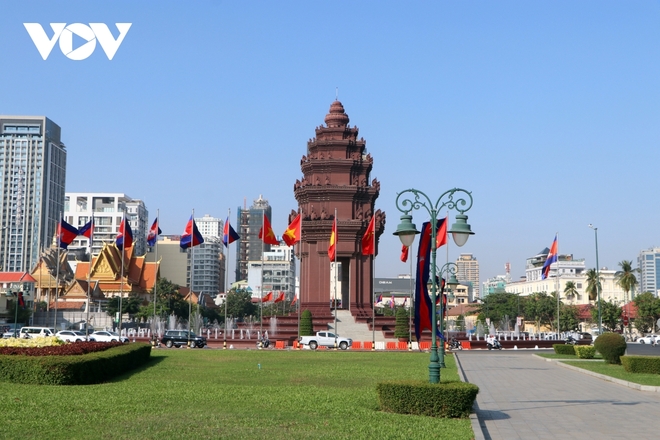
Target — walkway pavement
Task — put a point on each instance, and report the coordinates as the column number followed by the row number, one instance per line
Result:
column 524, row 397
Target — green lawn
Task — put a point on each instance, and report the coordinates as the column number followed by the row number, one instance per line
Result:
column 234, row 394
column 618, row 372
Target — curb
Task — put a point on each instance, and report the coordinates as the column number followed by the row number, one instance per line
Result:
column 474, row 419
column 625, row 383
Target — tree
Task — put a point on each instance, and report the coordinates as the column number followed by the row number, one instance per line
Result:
column 610, row 313
column 540, row 308
column 306, row 323
column 570, row 290
column 648, row 311
column 130, row 305
column 627, row 280
column 240, row 305
column 498, row 306
column 568, row 317
column 593, row 284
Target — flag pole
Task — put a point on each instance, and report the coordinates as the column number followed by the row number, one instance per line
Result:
column 410, row 304
column 373, row 289
column 89, row 277
column 261, row 288
column 335, row 280
column 121, row 279
column 153, row 336
column 57, row 272
column 224, row 340
column 192, row 269
column 557, row 284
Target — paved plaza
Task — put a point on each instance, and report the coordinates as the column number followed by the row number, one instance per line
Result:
column 524, row 397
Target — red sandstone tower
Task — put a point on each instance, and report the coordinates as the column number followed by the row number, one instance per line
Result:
column 336, row 174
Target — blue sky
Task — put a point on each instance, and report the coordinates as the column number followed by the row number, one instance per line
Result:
column 547, row 110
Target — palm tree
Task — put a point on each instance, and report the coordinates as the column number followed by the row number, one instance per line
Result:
column 593, row 284
column 626, row 279
column 570, row 290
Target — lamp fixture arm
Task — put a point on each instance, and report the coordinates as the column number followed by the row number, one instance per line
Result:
column 454, row 199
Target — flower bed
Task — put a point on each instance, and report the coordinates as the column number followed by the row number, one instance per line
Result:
column 62, row 349
column 49, row 341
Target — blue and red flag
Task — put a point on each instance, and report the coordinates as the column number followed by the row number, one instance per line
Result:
column 423, row 306
column 66, row 233
column 153, row 234
column 552, row 258
column 380, row 299
column 125, row 235
column 228, row 234
column 87, row 229
column 191, row 235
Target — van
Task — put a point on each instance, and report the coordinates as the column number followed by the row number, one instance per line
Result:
column 36, row 332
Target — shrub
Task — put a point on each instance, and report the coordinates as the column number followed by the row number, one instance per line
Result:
column 611, row 346
column 306, row 324
column 641, row 364
column 564, row 348
column 447, row 399
column 585, row 351
column 73, row 370
column 402, row 327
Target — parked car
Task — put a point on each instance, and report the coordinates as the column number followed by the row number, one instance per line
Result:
column 178, row 338
column 649, row 339
column 12, row 334
column 326, row 339
column 36, row 332
column 71, row 336
column 107, row 336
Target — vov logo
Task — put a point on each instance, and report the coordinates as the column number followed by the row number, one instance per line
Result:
column 91, row 34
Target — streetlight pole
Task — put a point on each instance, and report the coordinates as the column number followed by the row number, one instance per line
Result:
column 454, row 199
column 451, row 269
column 600, row 313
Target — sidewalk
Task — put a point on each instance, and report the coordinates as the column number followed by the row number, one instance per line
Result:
column 523, row 397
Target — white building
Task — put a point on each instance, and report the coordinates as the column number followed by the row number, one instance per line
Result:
column 569, row 269
column 32, row 180
column 107, row 209
column 279, row 273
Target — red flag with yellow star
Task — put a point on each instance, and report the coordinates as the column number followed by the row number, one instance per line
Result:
column 292, row 234
column 266, row 233
column 369, row 238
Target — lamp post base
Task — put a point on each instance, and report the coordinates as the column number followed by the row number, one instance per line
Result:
column 434, row 366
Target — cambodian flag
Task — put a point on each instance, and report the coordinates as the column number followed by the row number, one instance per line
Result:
column 228, row 234
column 154, row 232
column 380, row 299
column 552, row 258
column 423, row 306
column 125, row 235
column 191, row 236
column 66, row 233
column 87, row 229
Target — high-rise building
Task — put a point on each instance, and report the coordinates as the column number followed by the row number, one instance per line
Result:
column 278, row 273
column 468, row 271
column 250, row 245
column 209, row 276
column 32, row 180
column 107, row 209
column 648, row 262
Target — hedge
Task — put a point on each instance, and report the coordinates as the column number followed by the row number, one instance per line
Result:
column 611, row 346
column 585, row 351
column 641, row 364
column 83, row 369
column 446, row 399
column 564, row 348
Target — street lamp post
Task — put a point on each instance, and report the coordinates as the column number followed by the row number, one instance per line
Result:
column 600, row 313
column 454, row 199
column 451, row 282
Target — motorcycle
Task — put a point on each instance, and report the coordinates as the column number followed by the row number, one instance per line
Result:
column 495, row 345
column 570, row 340
column 454, row 344
column 263, row 343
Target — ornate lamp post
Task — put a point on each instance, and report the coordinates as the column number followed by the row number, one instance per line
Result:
column 454, row 199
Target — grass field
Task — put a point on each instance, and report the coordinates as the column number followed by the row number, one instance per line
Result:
column 209, row 394
column 618, row 372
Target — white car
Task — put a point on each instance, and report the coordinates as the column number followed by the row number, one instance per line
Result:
column 106, row 336
column 649, row 339
column 71, row 336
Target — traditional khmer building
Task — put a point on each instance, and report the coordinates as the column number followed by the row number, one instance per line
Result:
column 337, row 176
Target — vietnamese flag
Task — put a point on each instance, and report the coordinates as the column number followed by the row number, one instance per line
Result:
column 266, row 233
column 333, row 241
column 280, row 297
column 295, row 298
column 267, row 298
column 369, row 238
column 292, row 234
